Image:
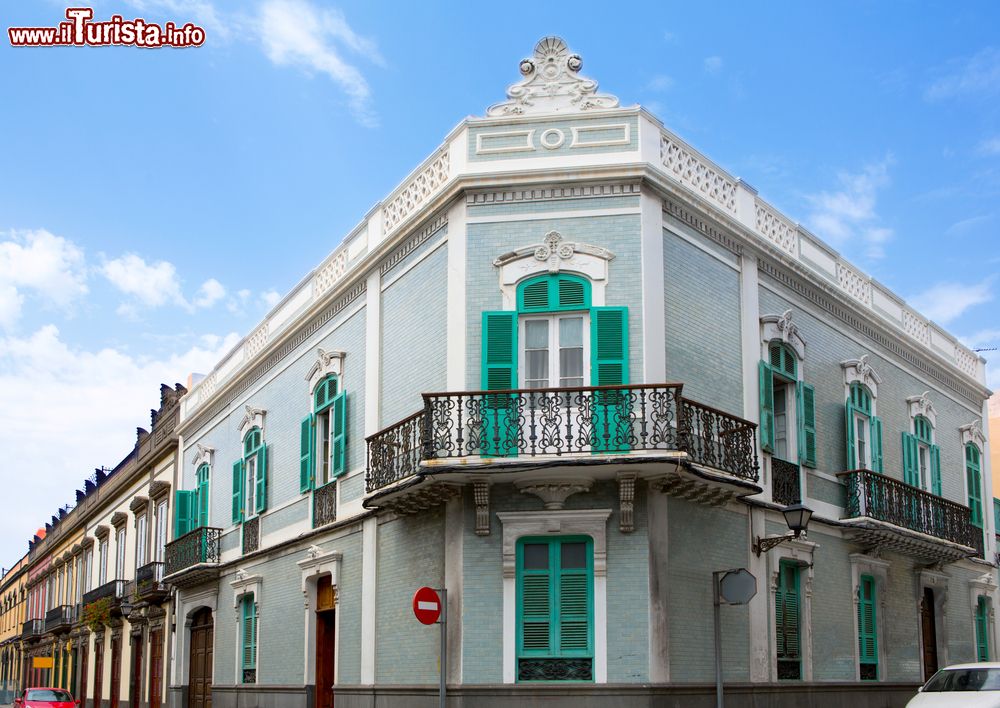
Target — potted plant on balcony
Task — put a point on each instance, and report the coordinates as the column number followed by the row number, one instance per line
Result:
column 97, row 614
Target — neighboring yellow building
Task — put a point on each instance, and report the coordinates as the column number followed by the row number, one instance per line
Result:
column 12, row 604
column 994, row 443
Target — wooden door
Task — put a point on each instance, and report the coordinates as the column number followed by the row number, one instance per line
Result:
column 325, row 641
column 82, row 691
column 135, row 674
column 200, row 676
column 116, row 671
column 98, row 671
column 928, row 633
column 155, row 667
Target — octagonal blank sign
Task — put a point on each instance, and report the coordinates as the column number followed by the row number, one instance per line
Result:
column 737, row 587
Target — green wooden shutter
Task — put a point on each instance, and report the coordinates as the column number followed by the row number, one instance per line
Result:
column 852, row 448
column 499, row 372
column 306, row 453
column 982, row 631
column 911, row 460
column 260, row 493
column 339, row 434
column 996, row 515
column 238, row 491
column 935, row 469
column 787, row 613
column 766, row 379
column 575, row 610
column 200, row 515
column 535, row 607
column 183, row 502
column 249, row 633
column 876, row 443
column 609, row 367
column 806, row 417
column 867, row 622
column 974, row 483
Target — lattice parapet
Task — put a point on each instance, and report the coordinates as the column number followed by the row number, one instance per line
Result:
column 854, row 283
column 207, row 387
column 417, row 191
column 689, row 169
column 330, row 274
column 917, row 327
column 776, row 228
column 257, row 341
column 966, row 360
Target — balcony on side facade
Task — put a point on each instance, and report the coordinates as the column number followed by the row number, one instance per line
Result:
column 32, row 629
column 679, row 446
column 193, row 558
column 60, row 619
column 886, row 513
column 148, row 585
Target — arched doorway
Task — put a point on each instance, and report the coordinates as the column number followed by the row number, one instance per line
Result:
column 928, row 633
column 200, row 674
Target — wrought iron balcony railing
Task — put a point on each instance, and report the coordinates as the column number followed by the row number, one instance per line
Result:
column 114, row 589
column 557, row 422
column 325, row 505
column 60, row 618
column 32, row 629
column 251, row 535
column 148, row 583
column 786, row 485
column 199, row 546
column 878, row 497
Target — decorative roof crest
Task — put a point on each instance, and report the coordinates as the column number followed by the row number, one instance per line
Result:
column 552, row 84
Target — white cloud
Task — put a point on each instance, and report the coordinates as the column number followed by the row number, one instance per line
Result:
column 152, row 284
column 210, row 292
column 944, row 302
column 849, row 212
column 296, row 33
column 48, row 266
column 964, row 226
column 270, row 298
column 660, row 82
column 713, row 65
column 990, row 146
column 975, row 76
column 90, row 401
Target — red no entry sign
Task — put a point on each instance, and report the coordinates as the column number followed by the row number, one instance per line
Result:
column 426, row 605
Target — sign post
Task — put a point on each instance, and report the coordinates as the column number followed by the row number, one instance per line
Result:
column 733, row 587
column 430, row 606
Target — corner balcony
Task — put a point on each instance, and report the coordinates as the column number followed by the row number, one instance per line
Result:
column 881, row 512
column 193, row 558
column 32, row 629
column 680, row 447
column 60, row 619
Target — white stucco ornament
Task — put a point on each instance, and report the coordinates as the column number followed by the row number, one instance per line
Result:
column 552, row 84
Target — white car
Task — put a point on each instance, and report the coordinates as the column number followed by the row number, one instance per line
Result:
column 961, row 686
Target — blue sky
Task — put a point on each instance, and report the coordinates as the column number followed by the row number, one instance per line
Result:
column 155, row 203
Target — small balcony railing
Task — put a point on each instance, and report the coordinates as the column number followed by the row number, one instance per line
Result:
column 558, row 422
column 786, row 485
column 199, row 546
column 882, row 498
column 251, row 535
column 325, row 505
column 60, row 618
column 148, row 584
column 32, row 629
column 114, row 589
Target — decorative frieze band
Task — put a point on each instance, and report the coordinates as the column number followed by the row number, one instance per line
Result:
column 541, row 194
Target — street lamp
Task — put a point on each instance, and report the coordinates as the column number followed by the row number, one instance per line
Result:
column 797, row 517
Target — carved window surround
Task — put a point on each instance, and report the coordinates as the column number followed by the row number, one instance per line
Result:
column 781, row 328
column 118, row 519
column 972, row 434
column 138, row 505
column 986, row 587
column 254, row 418
column 561, row 522
column 315, row 565
column 245, row 584
column 921, row 405
column 864, row 564
column 799, row 552
column 204, row 456
column 327, row 363
column 860, row 371
column 554, row 255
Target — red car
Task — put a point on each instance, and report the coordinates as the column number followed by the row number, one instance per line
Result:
column 45, row 698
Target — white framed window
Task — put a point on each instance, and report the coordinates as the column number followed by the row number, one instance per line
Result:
column 140, row 540
column 160, row 537
column 250, row 485
column 102, row 561
column 324, row 446
column 120, row 554
column 556, row 350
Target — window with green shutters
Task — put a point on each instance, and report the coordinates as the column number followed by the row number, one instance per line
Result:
column 323, row 437
column 787, row 407
column 555, row 609
column 864, row 430
column 974, row 483
column 921, row 457
column 200, row 512
column 542, row 345
column 788, row 621
column 982, row 630
column 867, row 629
column 249, row 496
column 191, row 506
column 248, row 639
